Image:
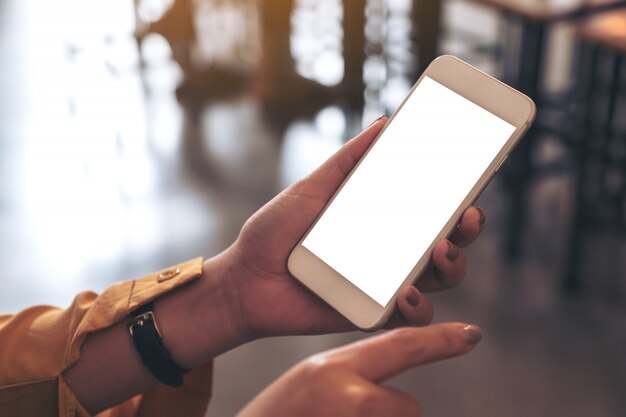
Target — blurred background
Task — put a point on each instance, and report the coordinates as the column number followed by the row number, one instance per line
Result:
column 139, row 134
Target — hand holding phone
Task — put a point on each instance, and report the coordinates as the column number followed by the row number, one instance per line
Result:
column 380, row 228
column 274, row 303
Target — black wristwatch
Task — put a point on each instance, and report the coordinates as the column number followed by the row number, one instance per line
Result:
column 149, row 343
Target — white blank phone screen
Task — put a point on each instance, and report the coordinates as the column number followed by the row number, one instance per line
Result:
column 407, row 188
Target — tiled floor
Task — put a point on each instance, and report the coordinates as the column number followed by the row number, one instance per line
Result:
column 103, row 176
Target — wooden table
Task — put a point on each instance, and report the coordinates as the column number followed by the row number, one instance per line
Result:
column 549, row 10
column 599, row 202
column 535, row 17
column 606, row 29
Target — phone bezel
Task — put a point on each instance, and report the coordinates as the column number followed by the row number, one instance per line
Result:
column 476, row 86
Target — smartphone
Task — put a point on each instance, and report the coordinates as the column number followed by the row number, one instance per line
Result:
column 428, row 164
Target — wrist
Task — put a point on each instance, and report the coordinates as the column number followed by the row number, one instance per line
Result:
column 201, row 320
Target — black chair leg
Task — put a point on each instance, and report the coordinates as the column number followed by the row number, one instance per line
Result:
column 529, row 78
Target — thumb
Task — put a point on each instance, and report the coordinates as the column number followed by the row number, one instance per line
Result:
column 381, row 357
column 331, row 173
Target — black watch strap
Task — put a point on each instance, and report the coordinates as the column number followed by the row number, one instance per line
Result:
column 149, row 343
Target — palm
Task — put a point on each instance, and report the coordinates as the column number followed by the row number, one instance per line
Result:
column 271, row 301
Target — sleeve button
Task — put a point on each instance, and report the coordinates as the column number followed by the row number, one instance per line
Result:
column 167, row 275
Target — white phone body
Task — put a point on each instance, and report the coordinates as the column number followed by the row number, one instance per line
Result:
column 428, row 164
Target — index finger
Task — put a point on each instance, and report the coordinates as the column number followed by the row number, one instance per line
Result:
column 384, row 356
column 470, row 226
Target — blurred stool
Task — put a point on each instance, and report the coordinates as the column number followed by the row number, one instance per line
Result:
column 524, row 72
column 601, row 165
column 425, row 15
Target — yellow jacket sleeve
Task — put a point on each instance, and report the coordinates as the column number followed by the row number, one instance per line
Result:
column 39, row 343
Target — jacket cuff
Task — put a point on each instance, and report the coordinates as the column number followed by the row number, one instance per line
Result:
column 117, row 301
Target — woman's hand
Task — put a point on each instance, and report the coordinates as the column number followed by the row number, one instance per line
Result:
column 346, row 381
column 246, row 292
column 271, row 302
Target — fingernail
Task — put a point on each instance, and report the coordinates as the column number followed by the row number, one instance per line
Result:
column 472, row 334
column 413, row 297
column 453, row 252
column 482, row 216
column 377, row 119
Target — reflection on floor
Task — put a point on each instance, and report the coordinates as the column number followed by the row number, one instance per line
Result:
column 104, row 176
